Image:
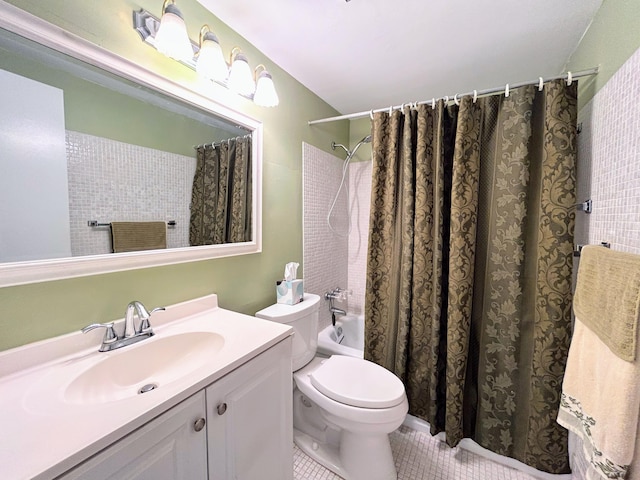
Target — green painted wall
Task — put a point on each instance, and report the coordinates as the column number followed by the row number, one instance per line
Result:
column 114, row 115
column 614, row 35
column 245, row 283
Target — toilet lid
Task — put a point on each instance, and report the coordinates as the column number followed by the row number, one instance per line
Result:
column 357, row 382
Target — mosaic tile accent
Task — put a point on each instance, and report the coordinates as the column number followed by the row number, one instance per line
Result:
column 360, row 202
column 115, row 181
column 609, row 162
column 325, row 253
column 419, row 456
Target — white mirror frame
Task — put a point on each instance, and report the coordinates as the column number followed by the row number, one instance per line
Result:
column 34, row 28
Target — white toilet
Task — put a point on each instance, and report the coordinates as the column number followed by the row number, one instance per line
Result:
column 343, row 407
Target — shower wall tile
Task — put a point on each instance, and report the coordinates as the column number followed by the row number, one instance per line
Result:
column 609, row 162
column 608, row 172
column 359, row 201
column 325, row 253
column 115, row 181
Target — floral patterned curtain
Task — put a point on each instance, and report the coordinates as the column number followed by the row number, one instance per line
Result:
column 221, row 195
column 469, row 265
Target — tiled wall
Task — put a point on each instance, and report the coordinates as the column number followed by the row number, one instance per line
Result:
column 609, row 174
column 360, row 201
column 325, row 253
column 114, row 181
column 609, row 162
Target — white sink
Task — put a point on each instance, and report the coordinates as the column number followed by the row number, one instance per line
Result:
column 155, row 362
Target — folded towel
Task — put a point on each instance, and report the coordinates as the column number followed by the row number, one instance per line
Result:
column 601, row 403
column 134, row 236
column 607, row 297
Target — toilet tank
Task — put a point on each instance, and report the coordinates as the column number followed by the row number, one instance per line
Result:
column 303, row 318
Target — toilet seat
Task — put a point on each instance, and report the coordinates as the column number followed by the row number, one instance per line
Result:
column 357, row 382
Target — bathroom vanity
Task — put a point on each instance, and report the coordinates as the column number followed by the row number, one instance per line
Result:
column 220, row 408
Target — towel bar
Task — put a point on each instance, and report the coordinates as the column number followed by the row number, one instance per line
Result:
column 578, row 248
column 95, row 223
column 586, row 206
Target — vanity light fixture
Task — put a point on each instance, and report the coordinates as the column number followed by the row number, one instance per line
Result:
column 240, row 77
column 265, row 95
column 172, row 38
column 210, row 62
column 205, row 57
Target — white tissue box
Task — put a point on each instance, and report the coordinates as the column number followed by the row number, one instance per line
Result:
column 289, row 292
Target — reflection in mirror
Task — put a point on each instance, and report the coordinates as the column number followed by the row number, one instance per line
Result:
column 94, row 164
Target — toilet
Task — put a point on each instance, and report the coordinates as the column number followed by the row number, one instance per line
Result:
column 343, row 407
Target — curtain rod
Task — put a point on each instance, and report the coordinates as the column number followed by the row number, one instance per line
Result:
column 564, row 76
column 217, row 144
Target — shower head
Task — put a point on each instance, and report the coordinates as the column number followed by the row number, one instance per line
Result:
column 351, row 153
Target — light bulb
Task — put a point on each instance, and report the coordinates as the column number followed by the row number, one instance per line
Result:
column 210, row 63
column 240, row 76
column 266, row 95
column 172, row 39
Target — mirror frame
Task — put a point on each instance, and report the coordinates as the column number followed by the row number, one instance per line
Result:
column 29, row 26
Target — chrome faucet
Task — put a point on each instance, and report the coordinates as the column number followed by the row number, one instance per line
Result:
column 130, row 334
column 335, row 294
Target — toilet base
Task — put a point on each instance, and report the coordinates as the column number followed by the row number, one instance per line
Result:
column 352, row 460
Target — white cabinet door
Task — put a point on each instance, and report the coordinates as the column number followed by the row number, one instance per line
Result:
column 249, row 419
column 169, row 447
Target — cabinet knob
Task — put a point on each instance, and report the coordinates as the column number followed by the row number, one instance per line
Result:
column 199, row 424
column 222, row 408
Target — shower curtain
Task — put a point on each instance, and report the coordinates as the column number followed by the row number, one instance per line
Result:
column 221, row 194
column 469, row 265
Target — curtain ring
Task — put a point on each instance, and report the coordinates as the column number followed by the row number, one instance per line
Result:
column 390, row 110
column 433, row 103
column 540, row 84
column 371, row 114
column 415, row 105
column 446, row 99
column 455, row 100
column 569, row 79
column 506, row 90
column 475, row 96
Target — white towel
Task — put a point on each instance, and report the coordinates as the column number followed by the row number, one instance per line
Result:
column 601, row 404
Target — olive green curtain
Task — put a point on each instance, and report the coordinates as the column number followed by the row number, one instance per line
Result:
column 221, row 194
column 469, row 265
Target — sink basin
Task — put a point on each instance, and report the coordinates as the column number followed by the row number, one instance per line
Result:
column 156, row 362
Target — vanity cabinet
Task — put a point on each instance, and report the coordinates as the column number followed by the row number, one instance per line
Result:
column 169, row 447
column 250, row 419
column 238, row 428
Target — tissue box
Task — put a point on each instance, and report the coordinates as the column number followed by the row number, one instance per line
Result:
column 289, row 292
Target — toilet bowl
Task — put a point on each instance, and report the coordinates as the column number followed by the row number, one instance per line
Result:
column 343, row 407
column 359, row 404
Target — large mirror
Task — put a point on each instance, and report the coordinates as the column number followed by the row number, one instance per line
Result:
column 108, row 167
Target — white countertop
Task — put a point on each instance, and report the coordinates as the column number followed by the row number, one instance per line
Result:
column 42, row 435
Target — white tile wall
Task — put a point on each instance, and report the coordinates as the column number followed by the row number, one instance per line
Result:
column 115, row 181
column 609, row 162
column 325, row 253
column 360, row 202
column 609, row 174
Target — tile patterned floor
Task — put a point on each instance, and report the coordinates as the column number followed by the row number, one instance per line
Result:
column 419, row 456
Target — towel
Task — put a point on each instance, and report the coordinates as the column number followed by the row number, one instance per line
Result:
column 607, row 297
column 134, row 236
column 600, row 403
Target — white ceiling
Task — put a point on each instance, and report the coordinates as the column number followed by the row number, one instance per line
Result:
column 365, row 54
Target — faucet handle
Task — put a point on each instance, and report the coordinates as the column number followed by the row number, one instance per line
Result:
column 109, row 334
column 145, row 326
